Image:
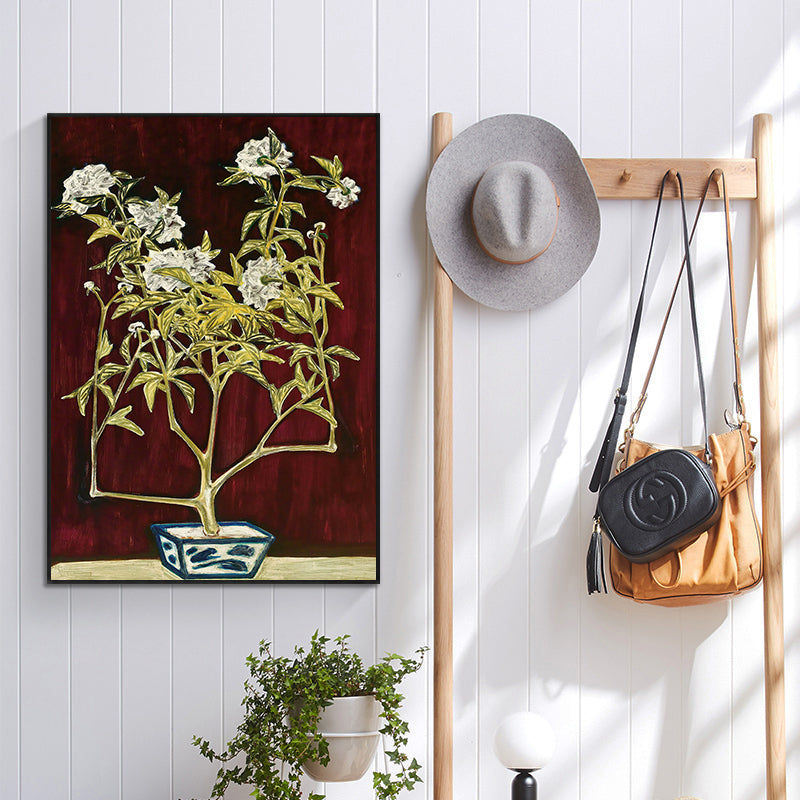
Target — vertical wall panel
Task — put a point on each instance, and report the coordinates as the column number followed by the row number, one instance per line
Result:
column 757, row 86
column 706, row 631
column 247, row 56
column 196, row 55
column 146, row 45
column 790, row 217
column 557, row 534
column 146, row 763
column 454, row 88
column 404, row 598
column 605, row 651
column 656, row 632
column 9, row 411
column 94, row 56
column 298, row 67
column 196, row 685
column 504, row 429
column 350, row 56
column 44, row 610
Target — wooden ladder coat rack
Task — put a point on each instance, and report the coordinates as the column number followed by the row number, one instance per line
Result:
column 627, row 178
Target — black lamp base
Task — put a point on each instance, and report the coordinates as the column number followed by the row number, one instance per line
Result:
column 523, row 787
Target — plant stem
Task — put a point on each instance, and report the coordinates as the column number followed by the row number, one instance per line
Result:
column 101, row 326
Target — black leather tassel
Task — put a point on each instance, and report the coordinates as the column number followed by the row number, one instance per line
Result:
column 595, row 563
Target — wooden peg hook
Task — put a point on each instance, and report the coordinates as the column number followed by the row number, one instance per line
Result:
column 626, row 176
column 717, row 175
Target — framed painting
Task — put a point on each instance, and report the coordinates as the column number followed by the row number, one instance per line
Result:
column 213, row 348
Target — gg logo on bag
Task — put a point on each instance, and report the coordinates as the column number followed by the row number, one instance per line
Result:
column 655, row 500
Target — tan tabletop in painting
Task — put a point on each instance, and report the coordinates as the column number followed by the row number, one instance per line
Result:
column 274, row 568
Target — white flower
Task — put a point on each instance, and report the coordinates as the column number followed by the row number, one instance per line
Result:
column 125, row 286
column 344, row 195
column 247, row 158
column 148, row 216
column 155, row 334
column 135, row 326
column 194, row 261
column 317, row 230
column 89, row 285
column 255, row 292
column 92, row 180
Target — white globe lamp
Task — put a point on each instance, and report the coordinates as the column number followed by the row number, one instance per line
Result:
column 524, row 742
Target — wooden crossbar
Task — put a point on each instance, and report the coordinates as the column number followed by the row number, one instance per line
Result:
column 640, row 178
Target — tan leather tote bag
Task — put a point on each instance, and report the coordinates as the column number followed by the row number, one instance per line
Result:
column 726, row 559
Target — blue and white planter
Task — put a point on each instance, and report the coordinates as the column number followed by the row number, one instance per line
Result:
column 237, row 550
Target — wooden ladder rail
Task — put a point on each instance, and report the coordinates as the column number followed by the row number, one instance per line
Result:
column 627, row 178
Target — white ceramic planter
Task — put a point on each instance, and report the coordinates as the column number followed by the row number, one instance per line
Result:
column 350, row 726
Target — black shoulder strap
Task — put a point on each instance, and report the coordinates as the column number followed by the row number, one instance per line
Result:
column 602, row 470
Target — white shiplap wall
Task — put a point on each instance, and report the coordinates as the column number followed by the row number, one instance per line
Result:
column 102, row 687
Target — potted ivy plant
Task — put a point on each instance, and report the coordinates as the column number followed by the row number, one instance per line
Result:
column 309, row 713
column 172, row 322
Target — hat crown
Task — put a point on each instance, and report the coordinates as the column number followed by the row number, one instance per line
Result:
column 514, row 211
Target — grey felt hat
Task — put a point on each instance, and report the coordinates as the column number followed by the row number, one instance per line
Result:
column 512, row 212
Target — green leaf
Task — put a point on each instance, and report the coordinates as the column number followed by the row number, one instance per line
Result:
column 295, row 208
column 172, row 357
column 188, row 392
column 293, row 323
column 254, row 373
column 100, row 233
column 338, row 168
column 324, row 291
column 327, row 165
column 316, row 407
column 278, row 395
column 81, row 395
column 166, row 317
column 115, row 254
column 263, row 223
column 104, row 347
column 253, row 244
column 306, row 387
column 150, row 388
column 108, row 392
column 302, row 182
column 237, row 268
column 99, row 219
column 299, row 352
column 176, row 272
column 292, row 235
column 108, row 370
column 205, row 245
column 338, row 350
column 250, row 219
column 120, row 419
column 236, row 177
column 162, row 195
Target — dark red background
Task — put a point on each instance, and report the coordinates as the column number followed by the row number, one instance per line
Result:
column 315, row 503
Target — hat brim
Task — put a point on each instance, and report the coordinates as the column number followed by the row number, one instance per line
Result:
column 512, row 287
